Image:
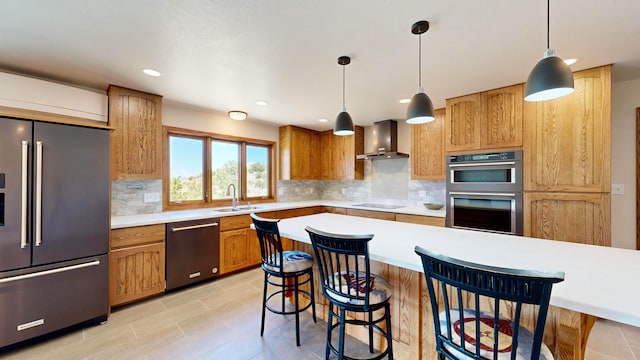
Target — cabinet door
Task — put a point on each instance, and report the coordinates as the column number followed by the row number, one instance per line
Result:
column 428, row 157
column 502, row 117
column 567, row 141
column 136, row 147
column 254, row 248
column 135, row 273
column 581, row 218
column 234, row 250
column 327, row 166
column 463, row 122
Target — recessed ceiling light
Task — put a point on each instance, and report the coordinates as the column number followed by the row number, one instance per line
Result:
column 237, row 115
column 151, row 72
column 262, row 102
column 323, row 120
column 570, row 61
column 405, row 101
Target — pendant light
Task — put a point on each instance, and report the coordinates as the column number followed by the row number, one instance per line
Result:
column 551, row 78
column 420, row 108
column 344, row 124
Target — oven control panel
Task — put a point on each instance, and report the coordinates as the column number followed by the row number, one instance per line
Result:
column 507, row 155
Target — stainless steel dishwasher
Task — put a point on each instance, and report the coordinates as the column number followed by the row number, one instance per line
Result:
column 193, row 251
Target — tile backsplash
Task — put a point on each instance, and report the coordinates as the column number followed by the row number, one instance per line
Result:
column 385, row 181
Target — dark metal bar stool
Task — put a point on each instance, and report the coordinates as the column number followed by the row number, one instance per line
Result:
column 292, row 269
column 483, row 305
column 348, row 284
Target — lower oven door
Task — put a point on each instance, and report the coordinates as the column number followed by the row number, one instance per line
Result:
column 484, row 211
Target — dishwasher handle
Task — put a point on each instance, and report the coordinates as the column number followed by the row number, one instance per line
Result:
column 182, row 228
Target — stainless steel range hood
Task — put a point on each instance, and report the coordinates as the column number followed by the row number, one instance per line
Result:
column 385, row 142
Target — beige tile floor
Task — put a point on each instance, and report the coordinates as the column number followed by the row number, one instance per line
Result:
column 221, row 320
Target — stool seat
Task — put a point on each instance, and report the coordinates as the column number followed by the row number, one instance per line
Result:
column 294, row 261
column 486, row 323
column 379, row 288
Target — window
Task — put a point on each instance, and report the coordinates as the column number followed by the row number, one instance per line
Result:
column 200, row 168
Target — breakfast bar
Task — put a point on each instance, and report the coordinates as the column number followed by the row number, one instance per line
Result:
column 599, row 281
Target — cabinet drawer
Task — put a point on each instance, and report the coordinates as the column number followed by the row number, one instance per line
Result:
column 235, row 222
column 137, row 235
column 372, row 214
column 419, row 219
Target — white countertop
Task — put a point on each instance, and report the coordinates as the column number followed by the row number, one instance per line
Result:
column 196, row 214
column 600, row 281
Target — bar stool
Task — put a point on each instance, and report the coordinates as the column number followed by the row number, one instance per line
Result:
column 483, row 305
column 292, row 269
column 348, row 284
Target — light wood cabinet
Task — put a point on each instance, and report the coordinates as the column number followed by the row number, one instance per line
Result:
column 234, row 250
column 419, row 219
column 501, row 124
column 463, row 123
column 136, row 263
column 239, row 248
column 489, row 120
column 428, row 158
column 299, row 153
column 310, row 155
column 382, row 215
column 136, row 141
column 581, row 218
column 567, row 142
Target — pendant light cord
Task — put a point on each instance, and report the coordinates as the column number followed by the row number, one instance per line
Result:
column 420, row 61
column 344, row 108
column 548, row 12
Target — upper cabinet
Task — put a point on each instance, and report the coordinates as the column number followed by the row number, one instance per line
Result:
column 338, row 155
column 136, row 141
column 485, row 121
column 567, row 142
column 428, row 157
column 310, row 155
column 299, row 153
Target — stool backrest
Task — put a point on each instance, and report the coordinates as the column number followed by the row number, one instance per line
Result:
column 343, row 261
column 270, row 242
column 471, row 296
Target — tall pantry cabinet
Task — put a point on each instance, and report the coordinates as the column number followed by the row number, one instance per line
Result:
column 567, row 162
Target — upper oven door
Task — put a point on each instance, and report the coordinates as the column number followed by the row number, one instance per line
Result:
column 485, row 176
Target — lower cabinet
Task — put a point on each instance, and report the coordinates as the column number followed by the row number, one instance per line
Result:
column 136, row 263
column 382, row 215
column 239, row 248
column 574, row 217
column 419, row 219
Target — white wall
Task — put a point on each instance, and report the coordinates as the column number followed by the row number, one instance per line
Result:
column 219, row 123
column 625, row 98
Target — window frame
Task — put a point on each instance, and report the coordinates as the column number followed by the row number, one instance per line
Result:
column 208, row 137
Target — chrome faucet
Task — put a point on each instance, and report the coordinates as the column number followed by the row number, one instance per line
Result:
column 234, row 201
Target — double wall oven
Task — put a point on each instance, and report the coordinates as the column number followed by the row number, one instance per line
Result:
column 484, row 192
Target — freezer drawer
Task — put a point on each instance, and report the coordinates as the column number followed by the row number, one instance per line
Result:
column 44, row 299
column 193, row 251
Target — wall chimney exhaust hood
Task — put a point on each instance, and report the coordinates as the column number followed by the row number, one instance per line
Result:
column 385, row 142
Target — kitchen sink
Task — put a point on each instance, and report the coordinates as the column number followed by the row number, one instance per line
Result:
column 238, row 208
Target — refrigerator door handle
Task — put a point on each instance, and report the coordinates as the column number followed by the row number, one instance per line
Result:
column 38, row 195
column 49, row 272
column 25, row 164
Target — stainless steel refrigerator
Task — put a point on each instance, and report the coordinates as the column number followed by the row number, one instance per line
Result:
column 54, row 227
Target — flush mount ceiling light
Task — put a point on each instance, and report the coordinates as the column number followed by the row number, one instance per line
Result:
column 262, row 102
column 551, row 78
column 344, row 124
column 420, row 108
column 151, row 72
column 237, row 115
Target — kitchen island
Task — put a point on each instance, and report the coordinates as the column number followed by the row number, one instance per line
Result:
column 599, row 281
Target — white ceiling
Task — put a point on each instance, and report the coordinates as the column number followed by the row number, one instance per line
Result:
column 226, row 54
